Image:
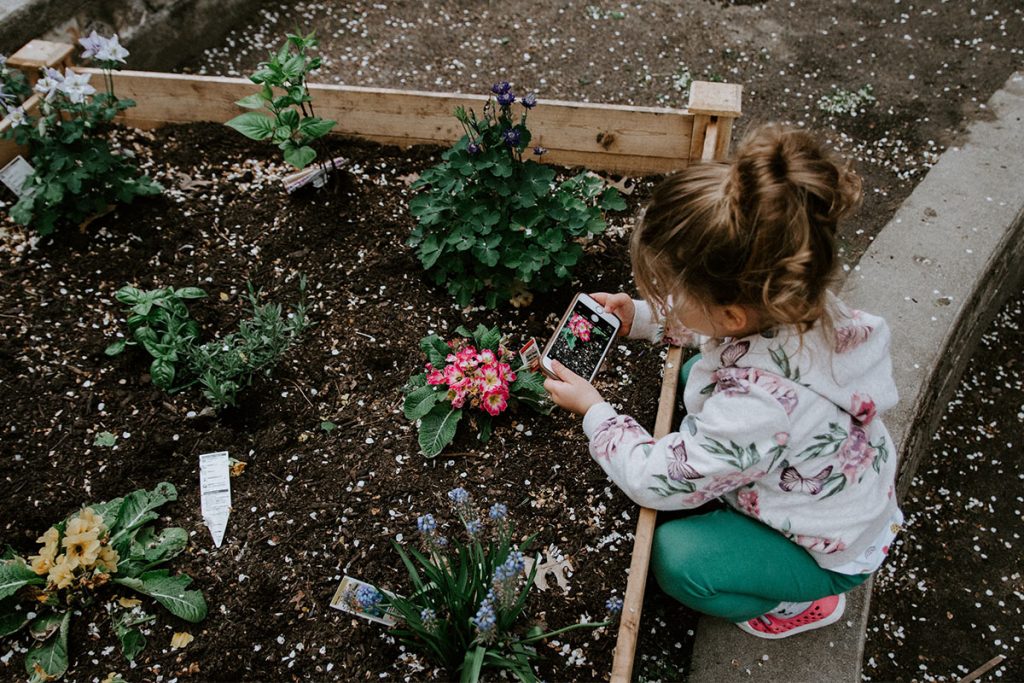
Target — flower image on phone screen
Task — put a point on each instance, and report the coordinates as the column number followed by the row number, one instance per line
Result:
column 581, row 342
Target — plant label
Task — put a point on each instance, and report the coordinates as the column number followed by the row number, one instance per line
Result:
column 15, row 173
column 347, row 599
column 530, row 355
column 215, row 492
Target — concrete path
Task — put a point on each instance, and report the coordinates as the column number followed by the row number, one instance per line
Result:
column 938, row 272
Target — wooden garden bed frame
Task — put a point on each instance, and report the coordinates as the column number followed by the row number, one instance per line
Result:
column 601, row 137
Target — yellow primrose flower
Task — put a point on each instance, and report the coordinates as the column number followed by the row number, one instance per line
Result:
column 82, row 548
column 92, row 520
column 62, row 573
column 108, row 557
column 42, row 562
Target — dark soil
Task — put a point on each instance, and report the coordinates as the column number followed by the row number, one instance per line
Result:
column 955, row 575
column 310, row 505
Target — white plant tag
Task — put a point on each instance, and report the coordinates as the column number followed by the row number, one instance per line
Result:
column 215, row 493
column 345, row 600
column 15, row 173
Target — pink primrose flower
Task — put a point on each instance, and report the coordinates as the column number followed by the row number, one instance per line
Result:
column 486, row 357
column 862, row 408
column 435, row 376
column 490, row 378
column 495, row 401
column 580, row 327
column 453, row 374
column 856, row 454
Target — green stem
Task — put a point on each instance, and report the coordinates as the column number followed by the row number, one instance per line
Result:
column 566, row 629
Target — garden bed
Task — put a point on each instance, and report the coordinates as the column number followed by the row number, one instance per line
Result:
column 311, row 505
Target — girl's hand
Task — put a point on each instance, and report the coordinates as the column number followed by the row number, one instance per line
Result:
column 570, row 391
column 621, row 305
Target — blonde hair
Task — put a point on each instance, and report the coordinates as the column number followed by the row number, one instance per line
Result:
column 758, row 230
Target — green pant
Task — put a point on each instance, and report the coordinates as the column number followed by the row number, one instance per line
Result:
column 728, row 565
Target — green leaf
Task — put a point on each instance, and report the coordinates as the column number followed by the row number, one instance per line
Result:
column 189, row 293
column 300, row 157
column 46, row 662
column 161, row 371
column 137, row 509
column 472, row 664
column 254, row 101
column 438, row 428
column 328, row 426
column 611, row 200
column 420, row 401
column 14, row 574
column 129, row 295
column 44, row 627
column 435, row 349
column 12, row 619
column 487, row 338
column 315, row 127
column 116, row 348
column 253, row 125
column 160, row 548
column 169, row 591
column 132, row 641
column 104, row 440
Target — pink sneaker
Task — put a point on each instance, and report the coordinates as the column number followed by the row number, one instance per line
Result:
column 822, row 612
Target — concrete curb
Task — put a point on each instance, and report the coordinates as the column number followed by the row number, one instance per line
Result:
column 938, row 273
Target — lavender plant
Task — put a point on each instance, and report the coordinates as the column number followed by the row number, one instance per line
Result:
column 77, row 173
column 491, row 223
column 468, row 598
column 291, row 122
column 79, row 558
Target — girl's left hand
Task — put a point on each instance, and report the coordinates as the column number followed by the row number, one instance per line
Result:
column 570, row 391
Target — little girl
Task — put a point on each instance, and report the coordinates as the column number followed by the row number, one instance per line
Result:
column 782, row 403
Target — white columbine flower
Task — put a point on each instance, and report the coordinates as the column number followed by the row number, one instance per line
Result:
column 92, row 44
column 111, row 51
column 17, row 116
column 49, row 84
column 76, row 86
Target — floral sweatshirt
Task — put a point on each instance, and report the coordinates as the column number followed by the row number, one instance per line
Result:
column 783, row 430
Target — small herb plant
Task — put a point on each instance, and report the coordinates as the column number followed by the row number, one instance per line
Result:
column 160, row 322
column 291, row 122
column 842, row 102
column 468, row 595
column 14, row 88
column 77, row 174
column 108, row 543
column 473, row 372
column 491, row 224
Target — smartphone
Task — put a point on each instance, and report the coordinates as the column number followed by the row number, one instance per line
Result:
column 582, row 338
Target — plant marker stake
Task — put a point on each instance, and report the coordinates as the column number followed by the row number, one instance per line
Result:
column 983, row 669
column 629, row 622
column 215, row 493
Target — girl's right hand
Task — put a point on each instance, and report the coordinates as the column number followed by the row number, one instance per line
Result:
column 619, row 304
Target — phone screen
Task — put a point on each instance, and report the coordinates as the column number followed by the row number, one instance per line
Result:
column 581, row 342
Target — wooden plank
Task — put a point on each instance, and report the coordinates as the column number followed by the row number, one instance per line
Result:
column 700, row 127
column 36, row 54
column 716, row 99
column 603, row 137
column 636, row 585
column 724, row 137
column 8, row 148
column 632, row 603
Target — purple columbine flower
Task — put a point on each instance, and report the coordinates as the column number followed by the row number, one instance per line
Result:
column 540, row 151
column 530, row 101
column 511, row 137
column 473, row 148
column 501, row 88
column 506, row 99
column 92, row 44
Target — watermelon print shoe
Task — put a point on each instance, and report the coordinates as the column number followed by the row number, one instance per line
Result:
column 821, row 613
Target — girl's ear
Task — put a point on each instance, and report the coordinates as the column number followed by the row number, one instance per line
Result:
column 737, row 320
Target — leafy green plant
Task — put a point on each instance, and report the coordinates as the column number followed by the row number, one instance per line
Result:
column 472, row 372
column 77, row 174
column 14, row 88
column 467, row 606
column 491, row 224
column 841, row 102
column 115, row 542
column 160, row 322
column 291, row 122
